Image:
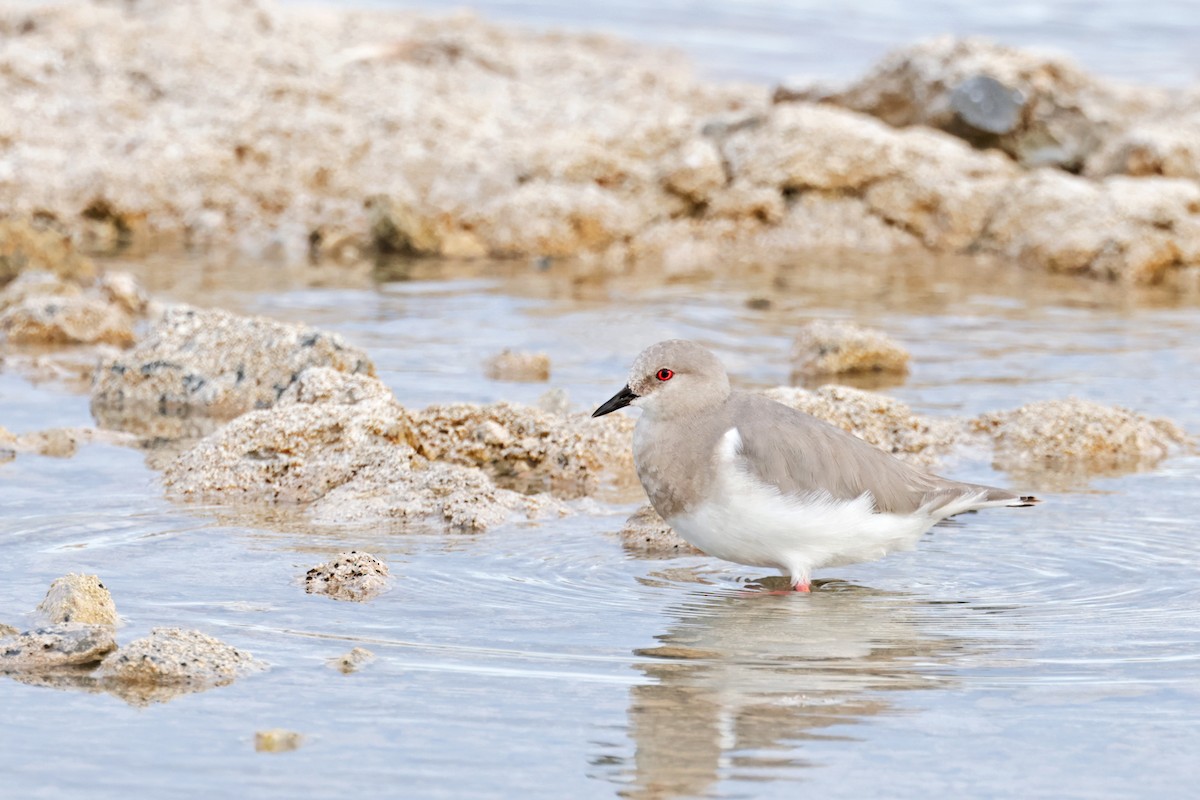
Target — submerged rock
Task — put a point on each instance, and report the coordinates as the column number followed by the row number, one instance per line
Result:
column 213, row 364
column 277, row 740
column 79, row 598
column 647, row 534
column 511, row 365
column 1079, row 435
column 837, row 348
column 53, row 646
column 351, row 576
column 352, row 661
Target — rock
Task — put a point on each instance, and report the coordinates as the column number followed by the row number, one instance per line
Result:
column 366, row 459
column 7, row 630
column 61, row 442
column 64, row 644
column 173, row 656
column 214, row 364
column 646, row 534
column 1079, row 436
column 695, row 171
column 25, row 246
column 883, row 421
column 66, row 320
column 122, row 289
column 555, row 401
column 511, row 365
column 277, row 740
column 351, row 576
column 1042, row 110
column 36, row 284
column 78, row 598
column 353, row 661
column 836, row 348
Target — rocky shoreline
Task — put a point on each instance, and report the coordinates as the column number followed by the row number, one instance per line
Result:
column 331, row 135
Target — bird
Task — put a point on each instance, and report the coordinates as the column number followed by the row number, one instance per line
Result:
column 746, row 479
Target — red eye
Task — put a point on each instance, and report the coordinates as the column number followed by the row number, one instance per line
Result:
column 664, row 374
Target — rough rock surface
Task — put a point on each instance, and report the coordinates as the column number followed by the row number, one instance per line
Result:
column 512, row 365
column 647, row 534
column 351, row 576
column 78, row 598
column 352, row 661
column 66, row 320
column 213, row 364
column 345, row 449
column 26, row 246
column 1079, row 435
column 835, row 348
column 64, row 644
column 59, row 442
column 177, row 656
column 36, row 283
column 7, row 630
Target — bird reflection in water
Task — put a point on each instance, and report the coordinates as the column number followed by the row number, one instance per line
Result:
column 739, row 683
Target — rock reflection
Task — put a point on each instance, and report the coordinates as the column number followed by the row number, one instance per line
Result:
column 739, row 682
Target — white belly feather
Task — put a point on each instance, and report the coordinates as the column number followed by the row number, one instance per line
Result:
column 751, row 522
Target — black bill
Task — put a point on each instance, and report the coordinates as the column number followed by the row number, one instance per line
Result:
column 618, row 400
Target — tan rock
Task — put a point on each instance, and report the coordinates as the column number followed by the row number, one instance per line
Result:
column 214, row 364
column 646, row 534
column 122, row 289
column 512, row 365
column 36, row 284
column 695, row 171
column 64, row 644
column 277, row 740
column 352, row 661
column 177, row 656
column 824, row 348
column 352, row 576
column 26, row 247
column 66, row 320
column 78, row 598
column 1079, row 435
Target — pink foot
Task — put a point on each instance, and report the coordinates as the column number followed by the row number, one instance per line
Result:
column 804, row 587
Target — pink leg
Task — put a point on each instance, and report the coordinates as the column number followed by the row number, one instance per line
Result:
column 803, row 586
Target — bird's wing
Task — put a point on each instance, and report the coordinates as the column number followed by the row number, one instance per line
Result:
column 801, row 455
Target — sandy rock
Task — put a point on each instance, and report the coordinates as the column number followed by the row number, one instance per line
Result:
column 883, row 421
column 1079, row 435
column 351, row 576
column 36, row 284
column 836, row 348
column 177, row 656
column 78, row 598
column 352, row 661
column 7, row 630
column 362, row 460
column 25, row 246
column 62, row 442
column 556, row 401
column 53, row 646
column 512, row 365
column 123, row 290
column 66, row 320
column 1041, row 109
column 695, row 171
column 646, row 534
column 525, row 448
column 211, row 363
column 277, row 740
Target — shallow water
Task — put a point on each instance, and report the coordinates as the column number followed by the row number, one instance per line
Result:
column 1048, row 652
column 1151, row 41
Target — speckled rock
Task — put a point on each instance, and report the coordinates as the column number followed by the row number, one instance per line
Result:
column 26, row 246
column 1041, row 109
column 214, row 364
column 824, row 348
column 62, row 442
column 78, row 598
column 177, row 656
column 36, row 283
column 277, row 740
column 646, row 534
column 883, row 421
column 7, row 630
column 66, row 320
column 513, row 365
column 123, row 290
column 353, row 453
column 1079, row 435
column 352, row 661
column 52, row 646
column 350, row 576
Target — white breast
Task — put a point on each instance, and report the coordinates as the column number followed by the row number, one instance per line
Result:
column 751, row 522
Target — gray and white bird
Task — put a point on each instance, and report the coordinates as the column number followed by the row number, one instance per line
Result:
column 753, row 481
